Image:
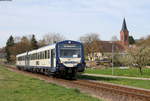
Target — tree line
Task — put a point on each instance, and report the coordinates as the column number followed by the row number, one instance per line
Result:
column 17, row 45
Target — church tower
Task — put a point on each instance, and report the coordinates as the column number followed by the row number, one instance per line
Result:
column 124, row 34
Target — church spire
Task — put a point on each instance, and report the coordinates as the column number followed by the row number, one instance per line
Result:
column 124, row 26
column 124, row 34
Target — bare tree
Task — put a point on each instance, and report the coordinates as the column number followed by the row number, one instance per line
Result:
column 17, row 39
column 41, row 43
column 88, row 38
column 91, row 43
column 21, row 46
column 51, row 38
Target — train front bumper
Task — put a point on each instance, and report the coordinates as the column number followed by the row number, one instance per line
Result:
column 78, row 67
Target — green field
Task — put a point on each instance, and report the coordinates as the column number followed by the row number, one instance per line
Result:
column 17, row 87
column 129, row 82
column 133, row 72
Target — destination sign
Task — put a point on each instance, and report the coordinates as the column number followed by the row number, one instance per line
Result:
column 69, row 46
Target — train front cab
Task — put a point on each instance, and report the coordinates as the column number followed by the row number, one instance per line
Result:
column 70, row 57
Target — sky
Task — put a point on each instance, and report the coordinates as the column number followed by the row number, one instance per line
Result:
column 73, row 18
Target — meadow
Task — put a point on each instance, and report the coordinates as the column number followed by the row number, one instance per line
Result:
column 18, row 87
column 132, row 72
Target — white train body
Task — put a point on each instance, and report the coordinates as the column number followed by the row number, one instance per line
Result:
column 60, row 58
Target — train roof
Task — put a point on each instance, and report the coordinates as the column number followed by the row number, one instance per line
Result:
column 68, row 41
column 22, row 54
column 51, row 46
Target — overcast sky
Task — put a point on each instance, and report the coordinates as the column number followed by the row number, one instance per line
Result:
column 73, row 18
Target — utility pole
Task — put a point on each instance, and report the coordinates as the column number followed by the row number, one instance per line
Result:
column 114, row 38
column 112, row 58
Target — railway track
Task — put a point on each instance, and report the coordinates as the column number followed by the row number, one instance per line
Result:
column 118, row 93
column 106, row 91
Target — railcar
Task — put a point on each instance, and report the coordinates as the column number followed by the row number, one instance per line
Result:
column 63, row 59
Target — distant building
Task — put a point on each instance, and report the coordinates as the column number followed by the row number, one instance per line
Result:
column 107, row 46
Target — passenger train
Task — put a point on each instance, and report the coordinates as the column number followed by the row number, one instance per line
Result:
column 63, row 59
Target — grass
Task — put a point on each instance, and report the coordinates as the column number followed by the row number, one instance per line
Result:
column 133, row 72
column 129, row 82
column 18, row 87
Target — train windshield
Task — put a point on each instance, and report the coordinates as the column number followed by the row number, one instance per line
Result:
column 72, row 51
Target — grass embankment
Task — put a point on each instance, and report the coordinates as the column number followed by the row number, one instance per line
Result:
column 17, row 87
column 133, row 72
column 129, row 82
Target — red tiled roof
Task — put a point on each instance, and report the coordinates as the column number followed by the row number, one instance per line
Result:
column 106, row 46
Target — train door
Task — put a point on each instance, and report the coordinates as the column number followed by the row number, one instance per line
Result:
column 52, row 57
column 27, row 60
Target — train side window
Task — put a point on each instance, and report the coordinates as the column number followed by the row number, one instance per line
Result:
column 32, row 57
column 29, row 57
column 37, row 55
column 40, row 55
column 48, row 53
column 45, row 54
